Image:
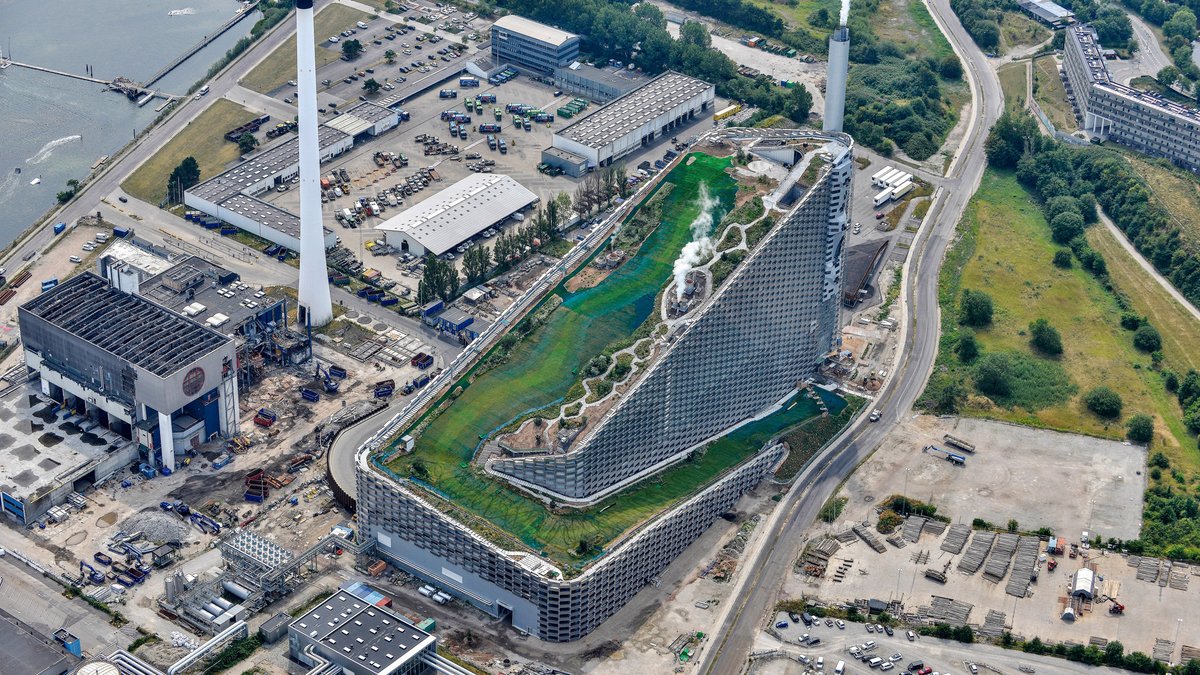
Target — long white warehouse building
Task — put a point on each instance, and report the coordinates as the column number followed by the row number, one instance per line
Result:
column 456, row 214
column 637, row 118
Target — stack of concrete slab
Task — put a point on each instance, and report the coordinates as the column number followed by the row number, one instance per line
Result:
column 1002, row 553
column 946, row 610
column 870, row 538
column 1163, row 651
column 993, row 624
column 935, row 527
column 912, row 528
column 977, row 552
column 1148, row 570
column 954, row 542
column 1027, row 557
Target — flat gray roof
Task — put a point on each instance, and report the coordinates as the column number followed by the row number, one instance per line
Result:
column 375, row 638
column 634, row 109
column 461, row 211
column 26, row 653
column 234, row 300
column 127, row 326
column 261, row 165
column 565, row 155
column 1048, row 10
column 616, row 77
column 371, row 112
column 532, row 29
column 267, row 214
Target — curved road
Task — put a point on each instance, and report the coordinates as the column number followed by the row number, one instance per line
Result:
column 758, row 587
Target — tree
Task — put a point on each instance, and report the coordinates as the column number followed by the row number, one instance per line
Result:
column 1182, row 24
column 1140, row 428
column 975, row 308
column 372, row 87
column 351, row 49
column 1114, row 654
column 1147, row 339
column 476, row 262
column 1011, row 137
column 950, row 67
column 182, row 177
column 66, row 195
column 968, row 346
column 1104, row 402
column 1168, row 76
column 1062, row 258
column 799, row 103
column 1066, row 226
column 650, row 14
column 390, row 56
column 692, row 32
column 247, row 142
column 1045, row 338
column 439, row 281
column 993, row 375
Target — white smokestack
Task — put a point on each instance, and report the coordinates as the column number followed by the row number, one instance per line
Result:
column 701, row 247
column 316, row 309
column 835, row 77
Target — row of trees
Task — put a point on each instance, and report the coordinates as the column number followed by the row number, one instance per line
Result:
column 442, row 280
column 982, row 19
column 599, row 188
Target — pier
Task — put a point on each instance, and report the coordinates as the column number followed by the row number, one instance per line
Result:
column 125, row 86
column 242, row 13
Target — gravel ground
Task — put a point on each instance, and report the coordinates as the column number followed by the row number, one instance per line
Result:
column 158, row 525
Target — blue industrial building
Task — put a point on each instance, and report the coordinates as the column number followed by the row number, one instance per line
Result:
column 533, row 46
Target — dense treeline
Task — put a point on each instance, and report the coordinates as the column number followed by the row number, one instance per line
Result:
column 981, row 18
column 738, row 13
column 610, row 31
column 1111, row 24
column 900, row 101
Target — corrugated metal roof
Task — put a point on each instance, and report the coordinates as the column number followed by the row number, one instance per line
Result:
column 629, row 112
column 533, row 29
column 460, row 211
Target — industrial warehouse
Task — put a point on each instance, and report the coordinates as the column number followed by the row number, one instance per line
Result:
column 634, row 120
column 128, row 366
column 456, row 214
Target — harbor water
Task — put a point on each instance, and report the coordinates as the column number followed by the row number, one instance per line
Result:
column 55, row 127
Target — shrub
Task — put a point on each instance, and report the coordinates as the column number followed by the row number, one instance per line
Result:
column 1066, row 226
column 888, row 522
column 1159, row 460
column 993, row 375
column 1104, row 402
column 1147, row 339
column 1131, row 321
column 967, row 347
column 975, row 309
column 1062, row 258
column 1045, row 338
column 1140, row 429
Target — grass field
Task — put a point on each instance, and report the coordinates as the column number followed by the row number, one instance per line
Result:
column 796, row 15
column 908, row 24
column 280, row 65
column 1050, row 94
column 203, row 138
column 1006, row 251
column 1014, row 80
column 1177, row 191
column 1018, row 31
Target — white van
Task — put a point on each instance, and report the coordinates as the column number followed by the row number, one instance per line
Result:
column 874, row 663
column 362, row 25
column 820, row 663
column 841, row 668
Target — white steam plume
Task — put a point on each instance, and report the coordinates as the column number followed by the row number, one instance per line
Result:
column 701, row 247
column 845, row 15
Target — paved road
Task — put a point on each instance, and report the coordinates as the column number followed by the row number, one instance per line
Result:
column 766, row 568
column 1149, row 58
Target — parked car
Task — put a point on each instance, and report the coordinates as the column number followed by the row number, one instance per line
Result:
column 781, row 624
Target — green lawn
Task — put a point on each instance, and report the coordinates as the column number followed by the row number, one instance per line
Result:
column 542, row 367
column 1177, row 191
column 280, row 65
column 203, row 138
column 1005, row 250
column 1014, row 80
column 1050, row 94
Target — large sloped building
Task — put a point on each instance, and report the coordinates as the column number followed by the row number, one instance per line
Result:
column 1144, row 121
column 775, row 316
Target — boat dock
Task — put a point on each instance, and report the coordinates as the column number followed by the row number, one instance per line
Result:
column 125, row 86
column 243, row 12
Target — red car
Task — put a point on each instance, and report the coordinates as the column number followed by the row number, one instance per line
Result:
column 879, row 216
column 925, row 671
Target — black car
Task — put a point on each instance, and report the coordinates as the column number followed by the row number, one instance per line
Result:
column 888, row 630
column 123, row 199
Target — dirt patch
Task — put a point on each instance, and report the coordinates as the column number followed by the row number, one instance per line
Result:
column 586, row 278
column 107, row 520
column 76, row 538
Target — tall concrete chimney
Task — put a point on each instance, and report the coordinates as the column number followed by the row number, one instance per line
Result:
column 835, row 79
column 316, row 309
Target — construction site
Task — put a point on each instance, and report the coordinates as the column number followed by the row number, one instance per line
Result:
column 1017, row 541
